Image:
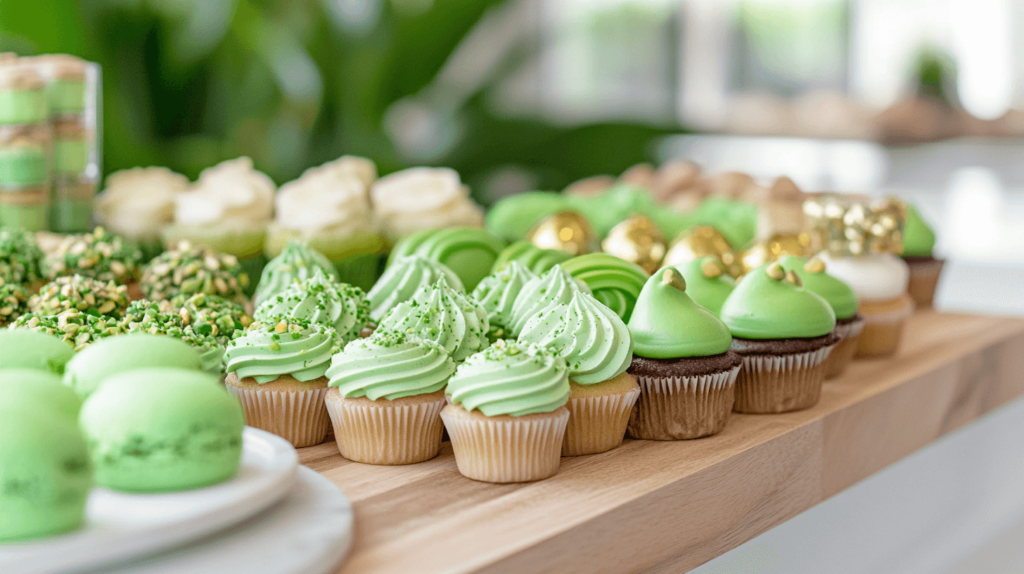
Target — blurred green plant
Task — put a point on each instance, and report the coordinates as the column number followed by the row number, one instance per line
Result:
column 294, row 83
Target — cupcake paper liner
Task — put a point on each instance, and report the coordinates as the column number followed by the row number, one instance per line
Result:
column 679, row 408
column 780, row 383
column 505, row 448
column 882, row 329
column 924, row 278
column 402, row 431
column 597, row 423
column 299, row 417
column 840, row 357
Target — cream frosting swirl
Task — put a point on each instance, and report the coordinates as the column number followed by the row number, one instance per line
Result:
column 422, row 198
column 497, row 294
column 332, row 198
column 320, row 300
column 550, row 289
column 230, row 194
column 296, row 262
column 876, row 277
column 511, row 378
column 269, row 349
column 390, row 365
column 139, row 202
column 441, row 314
column 401, row 280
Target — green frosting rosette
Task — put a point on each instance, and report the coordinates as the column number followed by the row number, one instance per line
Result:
column 319, row 300
column 90, row 296
column 593, row 340
column 468, row 251
column 390, row 365
column 281, row 346
column 530, row 256
column 100, row 255
column 72, row 326
column 145, row 316
column 511, row 378
column 668, row 324
column 918, row 237
column 13, row 301
column 839, row 295
column 497, row 294
column 512, row 217
column 296, row 262
column 188, row 270
column 443, row 315
column 768, row 303
column 550, row 289
column 20, row 257
column 707, row 283
column 613, row 281
column 403, row 278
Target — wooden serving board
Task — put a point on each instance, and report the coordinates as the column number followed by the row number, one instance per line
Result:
column 671, row 506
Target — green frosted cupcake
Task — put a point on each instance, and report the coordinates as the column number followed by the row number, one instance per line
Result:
column 497, row 294
column 77, row 329
column 530, row 256
column 468, row 251
column 403, row 278
column 28, row 349
column 925, row 268
column 90, row 296
column 443, row 315
column 613, row 281
column 707, row 283
column 319, row 300
column 296, row 262
column 189, row 270
column 542, row 292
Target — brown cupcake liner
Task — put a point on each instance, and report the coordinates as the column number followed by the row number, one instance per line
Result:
column 924, row 278
column 299, row 417
column 387, row 432
column 597, row 423
column 680, row 408
column 883, row 325
column 505, row 449
column 841, row 356
column 780, row 383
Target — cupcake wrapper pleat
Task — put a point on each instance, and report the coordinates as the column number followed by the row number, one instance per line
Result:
column 781, row 383
column 388, row 434
column 598, row 423
column 299, row 417
column 507, row 449
column 924, row 278
column 679, row 408
column 839, row 359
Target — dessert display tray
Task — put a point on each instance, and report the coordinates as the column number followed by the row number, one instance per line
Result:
column 123, row 526
column 672, row 506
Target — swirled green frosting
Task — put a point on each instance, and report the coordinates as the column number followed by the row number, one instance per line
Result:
column 511, row 378
column 530, row 256
column 614, row 205
column 296, row 262
column 403, row 278
column 443, row 315
column 468, row 251
column 547, row 290
column 667, row 324
column 762, row 307
column 497, row 294
column 390, row 365
column 269, row 349
column 918, row 237
column 614, row 282
column 832, row 289
column 709, row 290
column 593, row 340
column 512, row 217
column 320, row 300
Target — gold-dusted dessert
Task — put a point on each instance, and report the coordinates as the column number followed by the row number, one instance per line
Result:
column 637, row 240
column 566, row 231
column 702, row 241
column 775, row 247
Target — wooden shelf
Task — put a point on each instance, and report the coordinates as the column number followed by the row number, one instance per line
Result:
column 671, row 506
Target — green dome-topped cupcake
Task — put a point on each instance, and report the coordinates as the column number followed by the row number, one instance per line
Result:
column 682, row 361
column 296, row 262
column 497, row 294
column 468, row 251
column 100, row 255
column 20, row 258
column 507, row 416
column 597, row 349
column 614, row 282
column 386, row 397
column 530, row 256
column 72, row 326
column 443, row 315
column 918, row 252
column 512, row 217
column 707, row 283
column 784, row 334
column 320, row 300
column 188, row 270
column 90, row 296
column 276, row 369
column 844, row 303
column 29, row 349
column 403, row 278
column 542, row 292
column 144, row 316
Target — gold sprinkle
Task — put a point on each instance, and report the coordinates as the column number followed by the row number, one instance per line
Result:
column 281, row 327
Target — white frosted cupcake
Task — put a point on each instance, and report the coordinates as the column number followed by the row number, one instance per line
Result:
column 423, row 198
column 138, row 203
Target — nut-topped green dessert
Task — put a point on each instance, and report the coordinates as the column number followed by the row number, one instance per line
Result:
column 190, row 269
column 13, row 301
column 90, row 296
column 74, row 327
column 20, row 258
column 144, row 316
column 209, row 315
column 100, row 255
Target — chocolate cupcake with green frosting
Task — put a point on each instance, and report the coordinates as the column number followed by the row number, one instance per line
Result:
column 188, row 270
column 507, row 414
column 613, row 281
column 497, row 294
column 296, row 262
column 403, row 278
column 468, row 251
column 844, row 303
column 530, row 256
column 707, row 282
column 784, row 333
column 682, row 362
column 918, row 252
column 542, row 292
column 597, row 348
column 443, row 315
column 320, row 300
column 276, row 368
column 386, row 397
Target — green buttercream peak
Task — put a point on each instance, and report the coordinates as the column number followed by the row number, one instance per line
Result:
column 497, row 294
column 390, row 365
column 443, row 315
column 667, row 324
column 320, row 300
column 706, row 282
column 403, row 278
column 815, row 279
column 511, row 378
column 296, row 262
column 918, row 237
column 542, row 292
column 280, row 346
column 765, row 305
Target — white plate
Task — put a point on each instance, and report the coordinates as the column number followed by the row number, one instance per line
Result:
column 308, row 532
column 121, row 526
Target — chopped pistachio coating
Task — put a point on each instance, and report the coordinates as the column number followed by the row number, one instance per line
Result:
column 146, row 316
column 101, row 255
column 188, row 270
column 13, row 301
column 74, row 327
column 210, row 315
column 20, row 257
column 87, row 295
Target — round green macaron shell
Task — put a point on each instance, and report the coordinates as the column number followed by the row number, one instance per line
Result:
column 125, row 353
column 832, row 289
column 918, row 237
column 163, row 430
column 42, row 388
column 530, row 256
column 762, row 307
column 613, row 281
column 513, row 217
column 24, row 348
column 468, row 251
column 708, row 292
column 667, row 324
column 45, row 474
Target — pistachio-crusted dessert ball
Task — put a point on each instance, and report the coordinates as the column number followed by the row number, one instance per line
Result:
column 100, row 255
column 211, row 315
column 90, row 296
column 144, row 316
column 20, row 257
column 74, row 327
column 190, row 269
column 13, row 301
